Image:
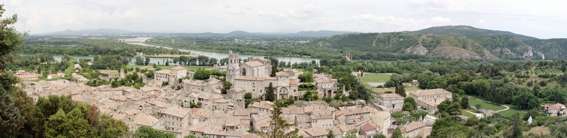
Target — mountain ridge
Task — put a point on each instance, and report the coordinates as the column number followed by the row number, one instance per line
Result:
column 452, row 42
column 235, row 33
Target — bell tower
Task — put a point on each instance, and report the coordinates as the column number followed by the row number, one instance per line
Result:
column 233, row 67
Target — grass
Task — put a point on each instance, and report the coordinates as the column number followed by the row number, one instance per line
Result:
column 376, row 77
column 474, row 101
column 512, row 111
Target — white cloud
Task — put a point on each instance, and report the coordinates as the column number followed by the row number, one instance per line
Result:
column 545, row 19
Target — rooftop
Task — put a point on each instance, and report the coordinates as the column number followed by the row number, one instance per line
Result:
column 390, row 96
column 144, row 119
column 176, row 111
column 430, row 92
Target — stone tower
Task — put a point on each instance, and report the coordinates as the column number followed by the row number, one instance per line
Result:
column 233, row 67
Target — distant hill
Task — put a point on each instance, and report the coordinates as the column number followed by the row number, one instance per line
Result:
column 94, row 32
column 233, row 34
column 453, row 42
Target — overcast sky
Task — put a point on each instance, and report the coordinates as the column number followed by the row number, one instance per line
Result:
column 543, row 19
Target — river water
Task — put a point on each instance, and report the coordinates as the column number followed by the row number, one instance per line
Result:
column 141, row 42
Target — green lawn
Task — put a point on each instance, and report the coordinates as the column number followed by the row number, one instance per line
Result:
column 474, row 101
column 376, row 77
column 512, row 111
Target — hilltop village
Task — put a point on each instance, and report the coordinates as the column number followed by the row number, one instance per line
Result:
column 189, row 103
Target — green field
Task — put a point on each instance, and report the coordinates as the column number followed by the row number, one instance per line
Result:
column 473, row 101
column 376, row 77
column 511, row 112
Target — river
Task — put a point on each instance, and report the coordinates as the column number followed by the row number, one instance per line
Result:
column 141, row 42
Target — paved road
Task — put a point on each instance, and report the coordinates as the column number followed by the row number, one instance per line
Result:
column 502, row 110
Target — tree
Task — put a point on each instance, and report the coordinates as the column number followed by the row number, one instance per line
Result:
column 10, row 38
column 247, row 99
column 516, row 130
column 397, row 133
column 279, row 127
column 409, row 104
column 400, row 90
column 310, row 96
column 559, row 130
column 270, row 94
column 448, row 107
column 306, row 77
column 465, row 102
column 526, row 101
column 379, row 135
column 10, row 116
column 147, row 61
column 351, row 135
column 76, row 125
column 330, row 134
column 108, row 127
column 274, row 63
column 54, row 126
column 148, row 132
column 449, row 128
column 226, row 85
column 201, row 74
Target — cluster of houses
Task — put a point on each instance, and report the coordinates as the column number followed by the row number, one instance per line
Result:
column 197, row 107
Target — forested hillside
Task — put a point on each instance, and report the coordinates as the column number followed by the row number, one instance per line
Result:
column 452, row 42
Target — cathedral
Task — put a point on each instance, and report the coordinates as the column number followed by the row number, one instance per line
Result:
column 253, row 76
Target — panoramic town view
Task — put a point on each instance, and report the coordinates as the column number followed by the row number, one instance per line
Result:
column 283, row 69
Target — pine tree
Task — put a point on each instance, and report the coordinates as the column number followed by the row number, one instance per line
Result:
column 270, row 94
column 465, row 102
column 516, row 130
column 10, row 115
column 279, row 126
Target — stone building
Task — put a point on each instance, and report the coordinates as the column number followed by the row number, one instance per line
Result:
column 416, row 129
column 390, row 102
column 254, row 76
column 171, row 75
column 556, row 109
column 326, row 85
column 212, row 85
column 175, row 119
column 27, row 76
column 430, row 99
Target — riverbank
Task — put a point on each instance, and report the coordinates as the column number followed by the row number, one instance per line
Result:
column 141, row 41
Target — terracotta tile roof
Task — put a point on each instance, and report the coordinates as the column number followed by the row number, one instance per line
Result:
column 263, row 104
column 412, row 126
column 368, row 127
column 390, row 95
column 254, row 78
column 556, row 106
column 315, row 132
column 144, row 119
column 254, row 63
column 430, row 92
column 176, row 111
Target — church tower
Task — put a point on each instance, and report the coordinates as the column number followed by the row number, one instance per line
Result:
column 233, row 66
